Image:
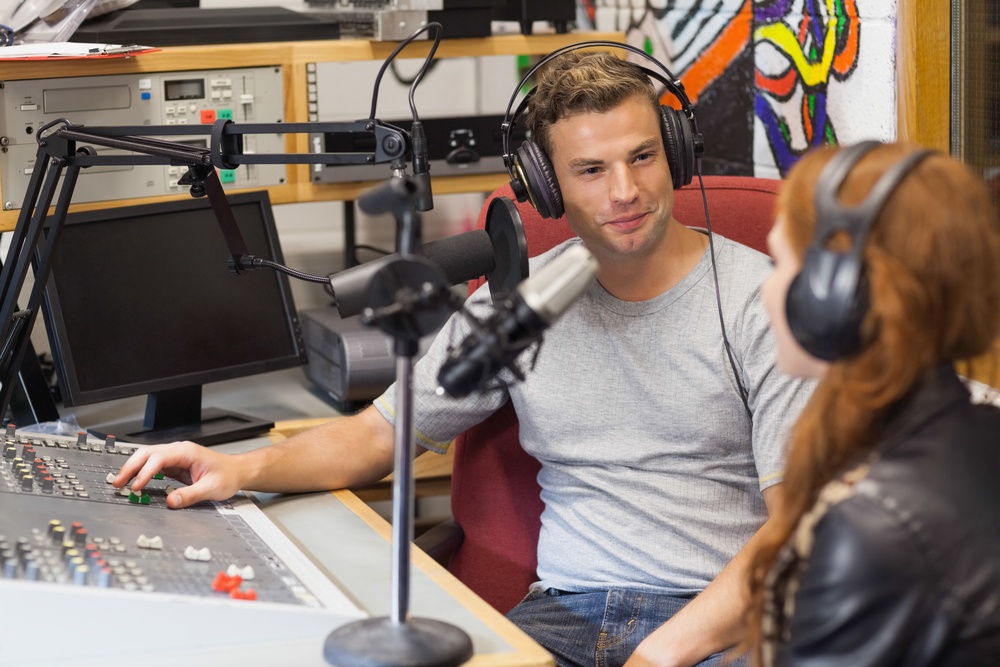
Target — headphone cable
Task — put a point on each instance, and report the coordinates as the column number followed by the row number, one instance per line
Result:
column 744, row 394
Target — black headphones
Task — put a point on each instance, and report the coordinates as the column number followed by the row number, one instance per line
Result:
column 829, row 297
column 531, row 175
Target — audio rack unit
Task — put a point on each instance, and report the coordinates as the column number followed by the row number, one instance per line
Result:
column 198, row 97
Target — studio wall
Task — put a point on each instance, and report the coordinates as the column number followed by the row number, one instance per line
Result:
column 771, row 79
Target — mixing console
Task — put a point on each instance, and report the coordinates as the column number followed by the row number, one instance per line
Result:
column 64, row 527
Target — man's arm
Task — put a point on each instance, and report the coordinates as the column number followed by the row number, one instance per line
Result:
column 711, row 622
column 344, row 452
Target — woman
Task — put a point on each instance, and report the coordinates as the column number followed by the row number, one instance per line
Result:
column 886, row 550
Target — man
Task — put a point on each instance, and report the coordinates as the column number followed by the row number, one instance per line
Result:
column 653, row 475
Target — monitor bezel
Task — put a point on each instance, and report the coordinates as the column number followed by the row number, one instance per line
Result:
column 55, row 322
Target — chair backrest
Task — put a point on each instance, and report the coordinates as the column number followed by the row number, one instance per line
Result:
column 494, row 487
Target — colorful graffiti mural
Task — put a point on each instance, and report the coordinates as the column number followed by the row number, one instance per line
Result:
column 822, row 47
column 762, row 73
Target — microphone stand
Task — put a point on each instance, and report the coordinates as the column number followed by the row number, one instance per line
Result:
column 409, row 299
column 407, row 313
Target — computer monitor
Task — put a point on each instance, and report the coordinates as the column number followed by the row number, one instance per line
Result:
column 141, row 301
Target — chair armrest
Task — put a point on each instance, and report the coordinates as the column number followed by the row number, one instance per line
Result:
column 441, row 541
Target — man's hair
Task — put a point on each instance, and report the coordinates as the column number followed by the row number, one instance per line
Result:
column 583, row 82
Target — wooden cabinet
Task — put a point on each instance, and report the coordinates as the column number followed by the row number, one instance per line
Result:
column 293, row 58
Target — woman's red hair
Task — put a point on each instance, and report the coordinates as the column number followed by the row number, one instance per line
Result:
column 932, row 264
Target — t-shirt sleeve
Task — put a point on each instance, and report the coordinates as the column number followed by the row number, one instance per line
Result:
column 775, row 399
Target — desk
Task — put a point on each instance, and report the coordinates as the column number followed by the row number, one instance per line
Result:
column 336, row 532
column 293, row 58
column 435, row 593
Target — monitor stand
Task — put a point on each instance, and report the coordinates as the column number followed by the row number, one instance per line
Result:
column 176, row 414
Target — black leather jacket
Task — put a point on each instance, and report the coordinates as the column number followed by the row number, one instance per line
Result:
column 906, row 569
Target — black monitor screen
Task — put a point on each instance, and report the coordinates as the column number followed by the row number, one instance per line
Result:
column 141, row 301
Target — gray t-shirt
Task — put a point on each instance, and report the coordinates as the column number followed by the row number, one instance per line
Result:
column 651, row 471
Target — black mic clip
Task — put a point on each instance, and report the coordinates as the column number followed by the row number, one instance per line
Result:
column 195, row 177
column 242, row 264
column 496, row 341
column 409, row 299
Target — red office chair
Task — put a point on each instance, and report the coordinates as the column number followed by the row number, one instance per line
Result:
column 494, row 491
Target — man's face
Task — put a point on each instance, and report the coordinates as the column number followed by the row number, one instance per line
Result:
column 614, row 179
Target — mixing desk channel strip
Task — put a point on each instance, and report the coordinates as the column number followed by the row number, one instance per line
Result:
column 64, row 524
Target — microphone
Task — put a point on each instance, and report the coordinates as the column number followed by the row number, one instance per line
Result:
column 421, row 167
column 517, row 323
column 460, row 258
column 500, row 253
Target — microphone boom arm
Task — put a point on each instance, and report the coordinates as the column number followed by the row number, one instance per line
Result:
column 60, row 153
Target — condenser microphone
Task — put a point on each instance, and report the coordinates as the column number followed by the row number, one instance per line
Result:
column 517, row 323
column 460, row 258
column 421, row 168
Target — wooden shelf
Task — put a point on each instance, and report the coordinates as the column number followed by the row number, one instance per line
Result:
column 293, row 58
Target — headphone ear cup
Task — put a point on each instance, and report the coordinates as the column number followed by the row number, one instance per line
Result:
column 826, row 303
column 678, row 144
column 539, row 180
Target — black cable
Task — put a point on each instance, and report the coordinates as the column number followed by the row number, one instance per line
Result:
column 249, row 262
column 409, row 81
column 744, row 394
column 371, row 248
column 420, row 74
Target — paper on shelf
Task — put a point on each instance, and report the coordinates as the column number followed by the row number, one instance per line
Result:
column 71, row 50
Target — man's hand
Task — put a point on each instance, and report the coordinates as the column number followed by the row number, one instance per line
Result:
column 653, row 651
column 210, row 475
column 713, row 620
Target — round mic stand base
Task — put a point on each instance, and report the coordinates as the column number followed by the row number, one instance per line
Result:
column 381, row 642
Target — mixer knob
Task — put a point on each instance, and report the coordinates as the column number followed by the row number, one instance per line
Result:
column 9, row 452
column 47, row 483
column 22, row 546
column 31, row 571
column 105, row 577
column 81, row 440
column 10, row 568
column 80, row 573
column 27, row 482
column 109, row 444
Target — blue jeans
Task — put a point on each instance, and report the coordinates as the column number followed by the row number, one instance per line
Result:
column 596, row 629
